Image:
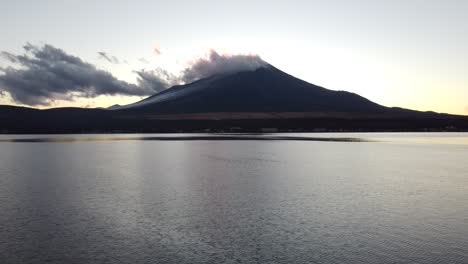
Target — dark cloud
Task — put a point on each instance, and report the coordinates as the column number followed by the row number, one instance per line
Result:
column 157, row 80
column 213, row 64
column 46, row 73
column 9, row 56
column 143, row 60
column 217, row 63
column 112, row 59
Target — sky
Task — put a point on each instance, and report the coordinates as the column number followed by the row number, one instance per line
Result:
column 411, row 53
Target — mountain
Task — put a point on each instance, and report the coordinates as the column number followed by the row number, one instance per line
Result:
column 246, row 101
column 264, row 90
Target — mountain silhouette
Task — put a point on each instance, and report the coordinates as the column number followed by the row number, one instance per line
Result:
column 266, row 89
column 246, row 101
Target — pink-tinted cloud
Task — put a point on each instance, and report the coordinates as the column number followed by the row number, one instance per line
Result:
column 157, row 51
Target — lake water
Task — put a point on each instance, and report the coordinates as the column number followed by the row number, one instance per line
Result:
column 278, row 198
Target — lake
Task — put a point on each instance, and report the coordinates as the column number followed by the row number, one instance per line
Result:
column 201, row 198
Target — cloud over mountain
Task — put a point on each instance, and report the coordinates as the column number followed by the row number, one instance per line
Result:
column 217, row 63
column 156, row 80
column 43, row 74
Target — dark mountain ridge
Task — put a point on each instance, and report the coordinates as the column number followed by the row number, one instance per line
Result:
column 266, row 89
column 246, row 101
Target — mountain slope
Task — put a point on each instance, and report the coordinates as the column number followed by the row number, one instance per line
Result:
column 242, row 102
column 263, row 90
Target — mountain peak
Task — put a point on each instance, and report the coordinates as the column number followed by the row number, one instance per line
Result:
column 265, row 89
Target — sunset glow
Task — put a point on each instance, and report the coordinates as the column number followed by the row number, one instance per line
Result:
column 402, row 54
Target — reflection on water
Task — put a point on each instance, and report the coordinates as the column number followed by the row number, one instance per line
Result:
column 379, row 198
column 409, row 138
column 175, row 137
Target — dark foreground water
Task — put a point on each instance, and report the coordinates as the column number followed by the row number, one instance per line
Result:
column 310, row 198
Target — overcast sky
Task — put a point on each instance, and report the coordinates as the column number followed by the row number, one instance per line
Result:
column 411, row 53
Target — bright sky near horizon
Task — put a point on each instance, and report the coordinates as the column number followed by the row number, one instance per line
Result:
column 406, row 53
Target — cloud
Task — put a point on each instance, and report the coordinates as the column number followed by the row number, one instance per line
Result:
column 43, row 74
column 157, row 80
column 143, row 60
column 217, row 63
column 157, row 51
column 213, row 64
column 9, row 56
column 108, row 58
column 46, row 73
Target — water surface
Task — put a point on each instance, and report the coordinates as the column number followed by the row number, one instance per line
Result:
column 198, row 198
